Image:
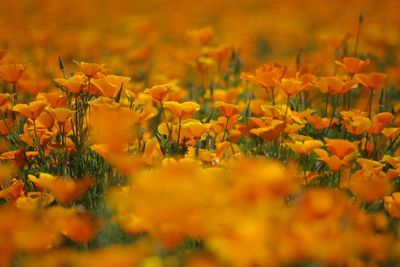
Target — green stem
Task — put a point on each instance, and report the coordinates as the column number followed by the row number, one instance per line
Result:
column 371, row 94
column 179, row 131
column 226, row 127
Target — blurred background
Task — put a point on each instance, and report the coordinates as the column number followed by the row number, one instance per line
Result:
column 129, row 34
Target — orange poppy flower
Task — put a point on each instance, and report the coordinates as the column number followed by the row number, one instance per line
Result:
column 226, row 109
column 202, row 36
column 319, row 123
column 152, row 153
column 4, row 98
column 334, row 162
column 340, row 147
column 64, row 190
column 380, row 121
column 90, row 69
column 291, row 86
column 334, row 85
column 182, row 110
column 268, row 75
column 12, row 72
column 221, row 53
column 305, row 147
column 352, row 65
column 108, row 85
column 61, row 115
column 372, row 81
column 55, row 99
column 34, row 200
column 392, row 204
column 18, row 156
column 369, row 186
column 103, row 86
column 159, row 92
column 343, row 152
column 355, row 124
column 31, row 111
column 195, row 128
column 271, row 131
column 14, row 191
column 74, row 85
column 6, row 126
column 222, row 123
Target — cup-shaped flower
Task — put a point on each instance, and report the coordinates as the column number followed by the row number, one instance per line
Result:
column 90, row 69
column 31, row 111
column 182, row 110
column 352, row 65
column 12, row 72
column 61, row 115
column 74, row 85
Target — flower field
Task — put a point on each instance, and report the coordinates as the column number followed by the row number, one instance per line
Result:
column 219, row 133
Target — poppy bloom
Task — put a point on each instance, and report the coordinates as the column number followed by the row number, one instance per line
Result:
column 380, row 121
column 74, row 85
column 319, row 123
column 159, row 92
column 54, row 99
column 272, row 130
column 291, row 86
column 306, row 147
column 220, row 54
column 108, row 85
column 334, row 85
column 227, row 109
column 372, row 81
column 392, row 204
column 64, row 190
column 90, row 69
column 203, row 36
column 352, row 65
column 343, row 152
column 340, row 147
column 61, row 115
column 182, row 110
column 195, row 128
column 14, row 191
column 31, row 111
column 355, row 123
column 12, row 72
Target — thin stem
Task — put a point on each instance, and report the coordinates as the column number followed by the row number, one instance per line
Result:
column 332, row 115
column 226, row 127
column 360, row 21
column 273, row 95
column 179, row 131
column 165, row 117
column 14, row 91
column 326, row 105
column 285, row 121
column 371, row 94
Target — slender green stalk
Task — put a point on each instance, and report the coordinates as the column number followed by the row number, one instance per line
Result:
column 226, row 128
